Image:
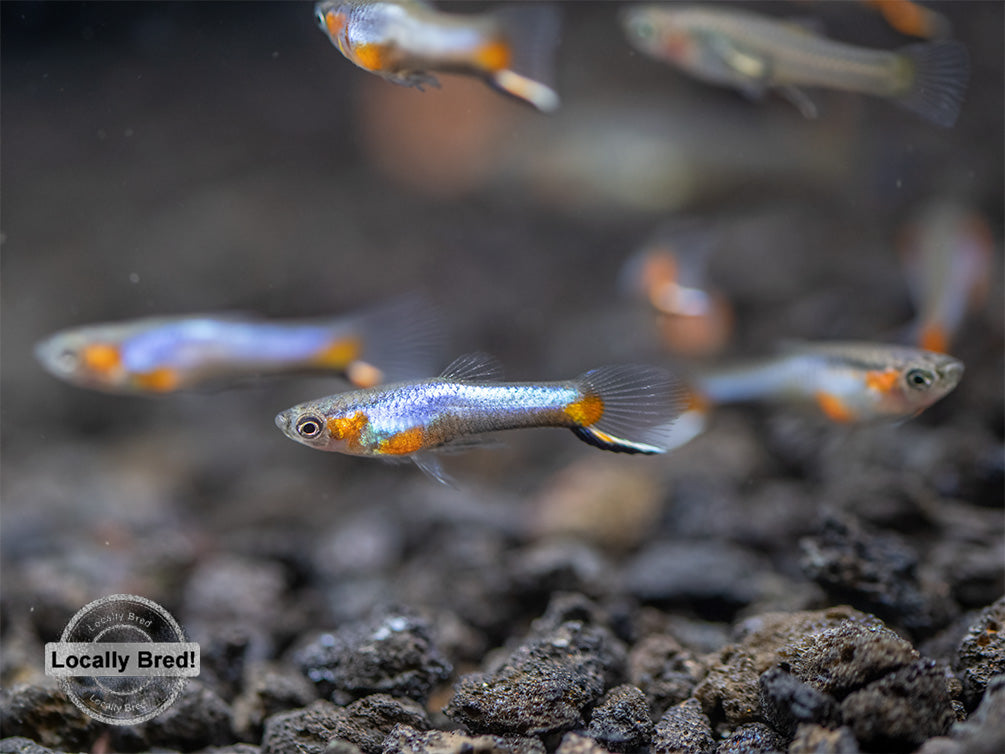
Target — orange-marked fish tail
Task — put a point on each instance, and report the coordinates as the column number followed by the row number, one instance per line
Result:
column 629, row 401
column 519, row 60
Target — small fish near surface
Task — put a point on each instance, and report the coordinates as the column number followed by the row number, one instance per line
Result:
column 754, row 53
column 848, row 381
column 625, row 409
column 166, row 354
column 510, row 47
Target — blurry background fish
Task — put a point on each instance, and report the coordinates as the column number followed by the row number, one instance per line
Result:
column 947, row 252
column 512, row 47
column 400, row 340
column 671, row 273
column 750, row 52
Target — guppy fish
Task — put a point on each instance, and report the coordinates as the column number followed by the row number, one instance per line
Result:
column 848, row 381
column 947, row 252
column 603, row 407
column 754, row 53
column 402, row 40
column 164, row 354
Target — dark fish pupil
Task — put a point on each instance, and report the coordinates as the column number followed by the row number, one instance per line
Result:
column 309, row 427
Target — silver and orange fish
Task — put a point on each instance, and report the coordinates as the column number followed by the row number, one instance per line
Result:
column 754, row 53
column 848, row 381
column 165, row 354
column 403, row 40
column 626, row 409
column 947, row 250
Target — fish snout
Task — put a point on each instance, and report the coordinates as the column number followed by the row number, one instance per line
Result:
column 283, row 421
column 952, row 372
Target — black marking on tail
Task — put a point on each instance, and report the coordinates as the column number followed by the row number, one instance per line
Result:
column 596, row 440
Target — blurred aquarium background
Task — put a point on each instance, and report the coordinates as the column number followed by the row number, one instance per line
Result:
column 166, row 158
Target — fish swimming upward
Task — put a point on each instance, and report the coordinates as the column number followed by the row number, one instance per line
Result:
column 947, row 251
column 754, row 53
column 848, row 381
column 165, row 354
column 402, row 40
column 625, row 409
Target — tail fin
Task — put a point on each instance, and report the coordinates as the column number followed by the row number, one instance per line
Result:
column 531, row 33
column 634, row 401
column 941, row 71
column 400, row 340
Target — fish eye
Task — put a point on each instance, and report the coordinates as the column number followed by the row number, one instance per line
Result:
column 309, row 427
column 919, row 379
column 319, row 16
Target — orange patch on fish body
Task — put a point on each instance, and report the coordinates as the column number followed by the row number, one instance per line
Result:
column 349, row 429
column 101, row 357
column 883, row 380
column 493, row 56
column 404, row 442
column 372, row 57
column 834, row 408
column 335, row 23
column 339, row 354
column 160, row 380
column 586, row 411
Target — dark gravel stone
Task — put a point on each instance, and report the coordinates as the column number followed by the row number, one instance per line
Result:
column 392, row 652
column 404, row 739
column 368, row 721
column 44, row 714
column 543, row 686
column 901, row 710
column 730, row 692
column 814, row 739
column 21, row 745
column 787, row 702
column 981, row 653
column 198, row 718
column 717, row 577
column 575, row 743
column 665, row 671
column 621, row 721
column 752, row 738
column 232, row 749
column 306, row 730
column 848, row 656
column 875, row 573
column 984, row 731
column 684, row 729
column 268, row 688
column 362, row 725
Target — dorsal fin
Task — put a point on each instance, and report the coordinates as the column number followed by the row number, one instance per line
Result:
column 472, row 367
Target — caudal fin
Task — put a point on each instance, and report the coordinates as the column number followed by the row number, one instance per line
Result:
column 628, row 409
column 530, row 34
column 940, row 73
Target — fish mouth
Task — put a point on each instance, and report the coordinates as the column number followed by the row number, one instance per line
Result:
column 283, row 421
column 952, row 372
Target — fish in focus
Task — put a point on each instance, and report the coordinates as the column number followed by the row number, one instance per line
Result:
column 754, row 53
column 625, row 409
column 947, row 253
column 403, row 40
column 848, row 381
column 165, row 354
